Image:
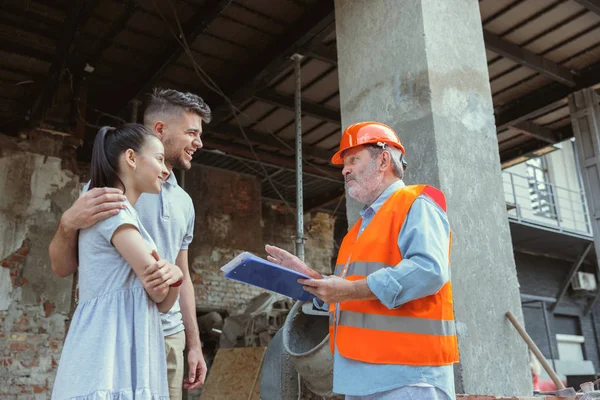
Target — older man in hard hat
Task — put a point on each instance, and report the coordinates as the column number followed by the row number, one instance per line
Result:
column 392, row 329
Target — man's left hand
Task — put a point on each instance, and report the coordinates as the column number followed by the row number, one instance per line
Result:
column 331, row 290
column 197, row 371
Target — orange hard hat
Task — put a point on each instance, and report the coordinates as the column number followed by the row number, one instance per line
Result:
column 368, row 132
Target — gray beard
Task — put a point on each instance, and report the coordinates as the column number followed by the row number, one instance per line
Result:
column 370, row 188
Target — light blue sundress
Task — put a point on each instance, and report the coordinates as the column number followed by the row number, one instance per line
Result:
column 115, row 347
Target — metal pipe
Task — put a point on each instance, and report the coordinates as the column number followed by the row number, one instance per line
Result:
column 266, row 164
column 572, row 273
column 588, row 226
column 299, row 195
column 530, row 297
column 514, row 193
column 548, row 333
column 134, row 110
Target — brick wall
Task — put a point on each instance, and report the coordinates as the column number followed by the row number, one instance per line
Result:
column 31, row 339
column 230, row 218
column 37, row 186
column 279, row 229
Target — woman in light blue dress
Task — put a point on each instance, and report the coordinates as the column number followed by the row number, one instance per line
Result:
column 115, row 348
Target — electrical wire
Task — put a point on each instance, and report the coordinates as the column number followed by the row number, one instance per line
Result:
column 236, row 112
column 213, row 86
column 100, row 112
column 181, row 39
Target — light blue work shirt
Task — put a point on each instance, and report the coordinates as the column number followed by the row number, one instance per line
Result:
column 423, row 242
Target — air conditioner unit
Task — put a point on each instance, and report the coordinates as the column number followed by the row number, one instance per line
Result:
column 584, row 281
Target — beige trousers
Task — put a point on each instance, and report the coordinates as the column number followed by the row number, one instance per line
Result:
column 174, row 347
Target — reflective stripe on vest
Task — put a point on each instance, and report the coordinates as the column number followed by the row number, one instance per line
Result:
column 338, row 270
column 364, row 268
column 398, row 324
column 361, row 268
column 385, row 347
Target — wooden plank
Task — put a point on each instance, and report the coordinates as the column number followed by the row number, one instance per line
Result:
column 235, row 374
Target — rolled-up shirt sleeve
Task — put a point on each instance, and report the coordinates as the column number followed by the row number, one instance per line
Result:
column 320, row 304
column 424, row 242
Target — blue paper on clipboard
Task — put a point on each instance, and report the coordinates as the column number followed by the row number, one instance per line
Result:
column 256, row 271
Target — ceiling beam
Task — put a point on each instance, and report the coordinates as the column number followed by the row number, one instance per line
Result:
column 312, row 109
column 545, row 98
column 323, row 53
column 105, row 41
column 591, row 5
column 77, row 18
column 288, row 162
column 297, row 38
column 574, row 268
column 278, row 168
column 22, row 51
column 492, row 42
column 542, row 142
column 537, row 132
column 16, row 21
column 323, row 200
column 528, row 59
column 525, row 151
column 264, row 139
column 197, row 25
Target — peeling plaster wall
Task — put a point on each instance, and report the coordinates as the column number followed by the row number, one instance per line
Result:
column 37, row 186
column 35, row 189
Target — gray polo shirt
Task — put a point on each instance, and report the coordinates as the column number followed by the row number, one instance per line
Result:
column 169, row 219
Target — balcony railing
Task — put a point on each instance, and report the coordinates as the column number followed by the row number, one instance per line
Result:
column 546, row 205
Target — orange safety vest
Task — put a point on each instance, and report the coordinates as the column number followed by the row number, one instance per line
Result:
column 420, row 332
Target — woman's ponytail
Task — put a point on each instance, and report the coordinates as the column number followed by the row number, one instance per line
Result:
column 102, row 173
column 109, row 144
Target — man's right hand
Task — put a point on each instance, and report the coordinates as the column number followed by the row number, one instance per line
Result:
column 290, row 261
column 92, row 206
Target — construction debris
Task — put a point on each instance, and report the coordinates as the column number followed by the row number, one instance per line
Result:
column 257, row 325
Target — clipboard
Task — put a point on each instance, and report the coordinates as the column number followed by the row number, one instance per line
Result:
column 256, row 271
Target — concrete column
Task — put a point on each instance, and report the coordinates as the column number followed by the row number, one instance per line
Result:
column 420, row 66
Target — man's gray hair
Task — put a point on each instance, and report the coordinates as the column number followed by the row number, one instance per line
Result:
column 396, row 158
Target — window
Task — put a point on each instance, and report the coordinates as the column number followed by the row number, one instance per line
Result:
column 569, row 338
column 570, row 347
column 540, row 191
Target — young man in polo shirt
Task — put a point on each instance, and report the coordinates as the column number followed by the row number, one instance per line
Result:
column 169, row 218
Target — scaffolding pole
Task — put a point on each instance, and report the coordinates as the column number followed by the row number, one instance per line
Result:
column 134, row 106
column 299, row 194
